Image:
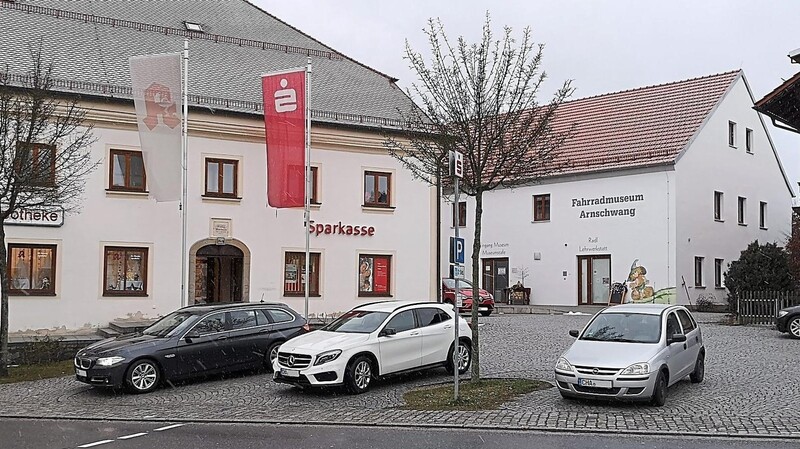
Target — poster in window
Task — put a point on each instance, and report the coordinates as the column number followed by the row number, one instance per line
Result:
column 381, row 283
column 365, row 274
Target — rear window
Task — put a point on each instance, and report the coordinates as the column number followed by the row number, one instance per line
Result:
column 686, row 321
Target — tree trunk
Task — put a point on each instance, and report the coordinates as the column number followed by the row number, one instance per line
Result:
column 476, row 296
column 3, row 303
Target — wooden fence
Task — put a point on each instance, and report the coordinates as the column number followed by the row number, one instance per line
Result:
column 762, row 307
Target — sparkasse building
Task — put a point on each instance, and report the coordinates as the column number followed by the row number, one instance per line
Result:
column 659, row 189
column 120, row 257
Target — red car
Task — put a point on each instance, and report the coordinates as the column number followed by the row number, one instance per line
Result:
column 485, row 307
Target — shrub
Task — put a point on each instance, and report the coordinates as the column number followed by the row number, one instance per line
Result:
column 759, row 268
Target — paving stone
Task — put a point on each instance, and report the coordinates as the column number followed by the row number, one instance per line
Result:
column 750, row 388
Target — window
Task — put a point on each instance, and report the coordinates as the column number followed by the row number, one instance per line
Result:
column 377, row 189
column 314, row 183
column 673, row 325
column 126, row 171
column 718, row 206
column 541, row 207
column 462, row 214
column 429, row 316
column 31, row 269
column 242, row 319
column 211, row 324
column 192, row 26
column 698, row 272
column 748, row 140
column 35, row 164
column 374, row 273
column 732, row 134
column 280, row 316
column 718, row 273
column 125, row 271
column 686, row 321
column 294, row 278
column 221, row 178
column 762, row 215
column 402, row 322
column 742, row 210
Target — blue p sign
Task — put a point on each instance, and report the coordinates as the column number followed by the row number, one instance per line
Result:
column 456, row 250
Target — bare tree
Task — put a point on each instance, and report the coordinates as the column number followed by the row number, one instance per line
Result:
column 44, row 157
column 480, row 99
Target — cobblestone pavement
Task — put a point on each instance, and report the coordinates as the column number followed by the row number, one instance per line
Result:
column 750, row 389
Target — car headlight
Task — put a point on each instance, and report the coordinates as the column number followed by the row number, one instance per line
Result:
column 563, row 365
column 783, row 313
column 109, row 361
column 637, row 369
column 328, row 356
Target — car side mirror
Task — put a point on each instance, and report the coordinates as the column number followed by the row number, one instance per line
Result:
column 574, row 333
column 677, row 338
column 387, row 332
column 189, row 336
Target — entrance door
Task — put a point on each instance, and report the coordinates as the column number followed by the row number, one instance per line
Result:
column 495, row 276
column 218, row 274
column 594, row 279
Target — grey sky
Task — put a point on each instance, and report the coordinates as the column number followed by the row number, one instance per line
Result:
column 602, row 45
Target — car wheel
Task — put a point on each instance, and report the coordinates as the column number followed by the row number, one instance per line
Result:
column 143, row 376
column 358, row 375
column 794, row 327
column 659, row 397
column 487, row 313
column 463, row 358
column 699, row 369
column 272, row 354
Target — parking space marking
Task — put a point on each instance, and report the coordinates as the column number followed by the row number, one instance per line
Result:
column 128, row 437
column 167, row 427
column 96, row 443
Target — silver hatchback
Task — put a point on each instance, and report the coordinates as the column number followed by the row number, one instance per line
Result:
column 632, row 352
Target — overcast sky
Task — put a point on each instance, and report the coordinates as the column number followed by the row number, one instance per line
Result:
column 602, row 45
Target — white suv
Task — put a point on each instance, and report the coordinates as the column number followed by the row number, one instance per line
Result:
column 372, row 340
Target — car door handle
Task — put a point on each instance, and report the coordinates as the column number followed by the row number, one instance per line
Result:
column 263, row 331
column 684, row 346
column 224, row 337
column 448, row 326
column 414, row 333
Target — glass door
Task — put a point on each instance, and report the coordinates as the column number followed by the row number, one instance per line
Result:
column 594, row 279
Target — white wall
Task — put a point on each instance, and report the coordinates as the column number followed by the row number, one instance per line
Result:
column 710, row 165
column 108, row 218
column 509, row 230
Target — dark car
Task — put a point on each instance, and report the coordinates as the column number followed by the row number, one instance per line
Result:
column 789, row 321
column 192, row 341
column 485, row 306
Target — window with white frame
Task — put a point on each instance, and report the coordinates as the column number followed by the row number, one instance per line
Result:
column 732, row 134
column 748, row 140
column 742, row 210
column 718, row 265
column 762, row 215
column 718, row 202
column 698, row 271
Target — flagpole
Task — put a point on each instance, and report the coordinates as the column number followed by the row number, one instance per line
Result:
column 184, row 178
column 307, row 189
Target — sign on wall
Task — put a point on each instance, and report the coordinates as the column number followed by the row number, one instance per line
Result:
column 36, row 217
column 608, row 203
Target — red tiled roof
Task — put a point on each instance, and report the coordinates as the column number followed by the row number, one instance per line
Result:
column 638, row 127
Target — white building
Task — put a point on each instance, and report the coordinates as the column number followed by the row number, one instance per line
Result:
column 664, row 186
column 120, row 256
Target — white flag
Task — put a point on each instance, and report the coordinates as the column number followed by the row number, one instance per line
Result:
column 156, row 81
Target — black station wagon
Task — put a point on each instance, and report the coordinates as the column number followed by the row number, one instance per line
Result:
column 192, row 341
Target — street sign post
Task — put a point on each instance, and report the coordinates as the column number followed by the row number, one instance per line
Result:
column 456, row 257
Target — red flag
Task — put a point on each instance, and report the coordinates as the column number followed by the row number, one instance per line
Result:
column 285, row 124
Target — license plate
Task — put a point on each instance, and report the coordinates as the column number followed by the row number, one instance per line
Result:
column 290, row 372
column 80, row 372
column 594, row 383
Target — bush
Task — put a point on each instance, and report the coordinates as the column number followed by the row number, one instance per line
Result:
column 705, row 303
column 759, row 268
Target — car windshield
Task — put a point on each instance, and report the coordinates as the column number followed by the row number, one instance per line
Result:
column 357, row 322
column 169, row 323
column 624, row 327
column 451, row 283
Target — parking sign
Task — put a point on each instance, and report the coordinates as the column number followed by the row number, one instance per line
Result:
column 456, row 250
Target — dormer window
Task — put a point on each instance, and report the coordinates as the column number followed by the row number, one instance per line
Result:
column 196, row 27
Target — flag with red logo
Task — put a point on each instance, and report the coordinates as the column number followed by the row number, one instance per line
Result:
column 157, row 95
column 285, row 125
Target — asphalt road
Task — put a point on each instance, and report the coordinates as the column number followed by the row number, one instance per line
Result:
column 58, row 434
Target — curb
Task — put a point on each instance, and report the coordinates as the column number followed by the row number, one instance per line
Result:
column 511, row 428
